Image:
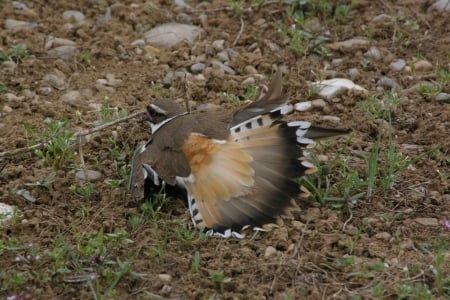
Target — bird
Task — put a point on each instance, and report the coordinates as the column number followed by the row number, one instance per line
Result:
column 237, row 169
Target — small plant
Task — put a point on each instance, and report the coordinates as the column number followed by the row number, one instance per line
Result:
column 219, row 278
column 236, row 6
column 135, row 222
column 2, row 88
column 86, row 58
column 46, row 182
column 85, row 191
column 57, row 143
column 230, row 98
column 19, row 53
column 195, row 265
column 250, row 92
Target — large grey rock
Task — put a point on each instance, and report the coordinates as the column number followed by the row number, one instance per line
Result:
column 170, row 34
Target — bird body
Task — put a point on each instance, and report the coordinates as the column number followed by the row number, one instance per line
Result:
column 238, row 169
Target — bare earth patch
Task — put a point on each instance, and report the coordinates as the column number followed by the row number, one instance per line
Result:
column 376, row 225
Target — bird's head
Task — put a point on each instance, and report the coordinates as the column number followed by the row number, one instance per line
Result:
column 162, row 111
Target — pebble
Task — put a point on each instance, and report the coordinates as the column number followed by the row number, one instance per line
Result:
column 250, row 70
column 354, row 73
column 138, row 43
column 269, row 252
column 45, row 90
column 423, row 65
column 373, row 53
column 350, row 45
column 28, row 94
column 198, row 67
column 75, row 14
column 331, row 118
column 208, row 107
column 443, row 97
column 337, row 62
column 9, row 66
column 105, row 18
column 218, row 45
column 112, row 80
column 56, row 81
column 71, row 98
column 298, row 225
column 397, row 65
column 57, row 42
column 66, row 53
column 6, row 212
column 7, row 109
column 387, row 82
column 181, row 3
column 26, row 194
column 332, row 88
column 10, row 97
column 224, row 67
column 223, row 56
column 248, row 81
column 183, row 18
column 165, row 277
column 407, row 244
column 318, row 103
column 303, row 106
column 170, row 34
column 441, row 5
column 16, row 25
column 386, row 236
column 427, row 221
column 19, row 5
column 92, row 175
column 382, row 18
column 272, row 46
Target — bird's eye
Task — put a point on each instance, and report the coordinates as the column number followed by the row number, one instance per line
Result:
column 151, row 111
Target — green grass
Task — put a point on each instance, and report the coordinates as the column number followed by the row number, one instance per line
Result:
column 58, row 143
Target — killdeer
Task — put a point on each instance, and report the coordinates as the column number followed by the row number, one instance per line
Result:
column 237, row 169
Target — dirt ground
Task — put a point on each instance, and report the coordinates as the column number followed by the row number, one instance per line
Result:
column 80, row 241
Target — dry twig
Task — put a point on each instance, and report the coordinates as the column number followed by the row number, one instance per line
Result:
column 76, row 137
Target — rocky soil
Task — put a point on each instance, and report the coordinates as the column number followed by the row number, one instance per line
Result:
column 376, row 225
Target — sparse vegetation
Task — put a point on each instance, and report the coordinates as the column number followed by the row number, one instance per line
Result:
column 375, row 225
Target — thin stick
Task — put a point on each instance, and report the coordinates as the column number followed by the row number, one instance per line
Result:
column 239, row 34
column 75, row 136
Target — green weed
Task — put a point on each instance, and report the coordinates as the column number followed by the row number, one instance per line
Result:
column 57, row 143
column 19, row 53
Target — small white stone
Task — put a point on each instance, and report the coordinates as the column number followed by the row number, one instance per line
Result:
column 88, row 175
column 75, row 14
column 7, row 109
column 386, row 236
column 427, row 221
column 10, row 97
column 6, row 212
column 250, row 80
column 332, row 88
column 165, row 277
column 318, row 103
column 303, row 106
column 218, row 45
column 374, row 53
column 354, row 73
column 198, row 67
column 397, row 65
column 269, row 252
column 56, row 81
column 423, row 65
column 71, row 98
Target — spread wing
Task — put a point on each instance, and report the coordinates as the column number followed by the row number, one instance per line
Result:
column 246, row 179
